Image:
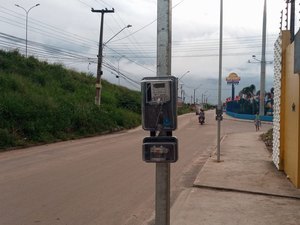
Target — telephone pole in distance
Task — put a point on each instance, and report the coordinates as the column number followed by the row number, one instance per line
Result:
column 99, row 67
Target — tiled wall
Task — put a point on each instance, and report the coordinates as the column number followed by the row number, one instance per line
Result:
column 277, row 101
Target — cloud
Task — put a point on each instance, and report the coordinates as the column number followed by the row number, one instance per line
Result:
column 70, row 25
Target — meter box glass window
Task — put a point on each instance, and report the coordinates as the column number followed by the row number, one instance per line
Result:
column 159, row 98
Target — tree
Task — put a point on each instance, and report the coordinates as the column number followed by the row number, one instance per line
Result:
column 248, row 91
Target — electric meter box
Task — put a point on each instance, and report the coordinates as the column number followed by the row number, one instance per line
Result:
column 219, row 113
column 160, row 149
column 159, row 100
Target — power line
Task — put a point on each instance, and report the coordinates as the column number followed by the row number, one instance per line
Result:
column 147, row 25
column 132, row 49
column 59, row 34
column 73, row 53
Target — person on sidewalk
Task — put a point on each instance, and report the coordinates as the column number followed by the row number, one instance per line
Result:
column 257, row 122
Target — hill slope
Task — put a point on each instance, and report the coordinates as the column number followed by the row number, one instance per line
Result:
column 42, row 103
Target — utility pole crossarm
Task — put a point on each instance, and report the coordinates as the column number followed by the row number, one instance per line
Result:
column 103, row 10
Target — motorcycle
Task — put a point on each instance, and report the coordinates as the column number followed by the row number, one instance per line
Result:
column 201, row 119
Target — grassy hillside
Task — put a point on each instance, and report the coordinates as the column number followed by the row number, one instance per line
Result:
column 42, row 103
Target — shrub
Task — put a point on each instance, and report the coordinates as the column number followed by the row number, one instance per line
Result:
column 268, row 139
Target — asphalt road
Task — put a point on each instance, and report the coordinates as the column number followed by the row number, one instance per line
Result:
column 100, row 180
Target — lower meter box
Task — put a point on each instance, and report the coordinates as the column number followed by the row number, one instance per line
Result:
column 160, row 149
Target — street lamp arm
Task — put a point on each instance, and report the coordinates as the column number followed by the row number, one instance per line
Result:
column 256, row 59
column 128, row 26
column 21, row 8
column 33, row 7
column 27, row 11
column 205, row 92
column 183, row 75
column 198, row 87
column 259, row 61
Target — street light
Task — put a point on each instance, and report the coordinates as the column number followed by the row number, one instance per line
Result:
column 128, row 26
column 119, row 68
column 195, row 93
column 26, row 11
column 181, row 91
column 207, row 99
column 263, row 63
column 219, row 107
column 100, row 58
column 203, row 98
column 183, row 75
column 258, row 61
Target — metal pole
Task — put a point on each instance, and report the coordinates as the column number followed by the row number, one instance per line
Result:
column 263, row 64
column 26, row 26
column 232, row 91
column 292, row 19
column 119, row 70
column 220, row 81
column 181, row 92
column 26, row 32
column 164, row 39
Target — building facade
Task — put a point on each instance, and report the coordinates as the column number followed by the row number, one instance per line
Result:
column 286, row 120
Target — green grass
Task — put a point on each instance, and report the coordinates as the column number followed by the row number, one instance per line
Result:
column 267, row 138
column 43, row 103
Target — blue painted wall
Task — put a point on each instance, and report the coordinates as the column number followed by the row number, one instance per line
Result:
column 249, row 117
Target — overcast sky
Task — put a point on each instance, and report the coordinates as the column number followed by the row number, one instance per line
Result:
column 66, row 31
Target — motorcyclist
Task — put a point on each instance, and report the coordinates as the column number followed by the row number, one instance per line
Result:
column 201, row 115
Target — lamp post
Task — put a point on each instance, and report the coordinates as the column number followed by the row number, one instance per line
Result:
column 195, row 93
column 181, row 91
column 263, row 63
column 119, row 69
column 26, row 11
column 207, row 99
column 202, row 96
column 219, row 107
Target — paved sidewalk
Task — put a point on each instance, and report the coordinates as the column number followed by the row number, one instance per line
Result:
column 245, row 188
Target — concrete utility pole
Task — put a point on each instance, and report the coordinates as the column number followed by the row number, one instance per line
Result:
column 181, row 92
column 163, row 171
column 263, row 64
column 195, row 93
column 99, row 66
